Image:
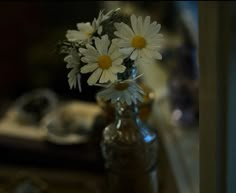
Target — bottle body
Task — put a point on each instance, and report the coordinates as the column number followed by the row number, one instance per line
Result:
column 129, row 148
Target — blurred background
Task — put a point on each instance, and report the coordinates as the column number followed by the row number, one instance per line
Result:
column 34, row 89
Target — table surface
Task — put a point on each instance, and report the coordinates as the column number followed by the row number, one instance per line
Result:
column 69, row 168
column 74, row 180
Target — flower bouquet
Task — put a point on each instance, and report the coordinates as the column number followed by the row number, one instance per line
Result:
column 110, row 49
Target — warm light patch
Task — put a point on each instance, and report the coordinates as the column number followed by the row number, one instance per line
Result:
column 121, row 86
column 138, row 42
column 104, row 62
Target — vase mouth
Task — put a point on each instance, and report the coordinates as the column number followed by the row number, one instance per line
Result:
column 148, row 99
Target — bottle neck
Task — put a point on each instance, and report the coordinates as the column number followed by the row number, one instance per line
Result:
column 130, row 72
column 126, row 111
column 129, row 124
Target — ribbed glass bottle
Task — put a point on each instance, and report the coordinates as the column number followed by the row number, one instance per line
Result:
column 129, row 149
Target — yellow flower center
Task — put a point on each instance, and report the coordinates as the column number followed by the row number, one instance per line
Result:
column 104, row 62
column 88, row 34
column 138, row 42
column 121, row 86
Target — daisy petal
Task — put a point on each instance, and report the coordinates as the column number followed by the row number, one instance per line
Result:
column 128, row 30
column 153, row 29
column 113, row 76
column 134, row 55
column 104, row 77
column 74, row 36
column 126, row 51
column 102, row 44
column 100, row 30
column 115, row 55
column 157, row 55
column 122, row 36
column 85, row 27
column 89, row 68
column 68, row 58
column 98, row 45
column 82, row 50
column 127, row 98
column 123, row 31
column 146, row 24
column 88, row 59
column 146, row 53
column 105, row 44
column 133, row 19
column 123, row 43
column 117, row 61
column 91, row 51
column 118, row 69
column 113, row 48
column 94, row 77
column 140, row 25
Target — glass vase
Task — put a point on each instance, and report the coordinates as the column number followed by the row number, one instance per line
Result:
column 129, row 150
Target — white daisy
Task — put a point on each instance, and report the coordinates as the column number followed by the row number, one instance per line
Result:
column 73, row 61
column 126, row 91
column 84, row 32
column 102, row 17
column 104, row 61
column 141, row 42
